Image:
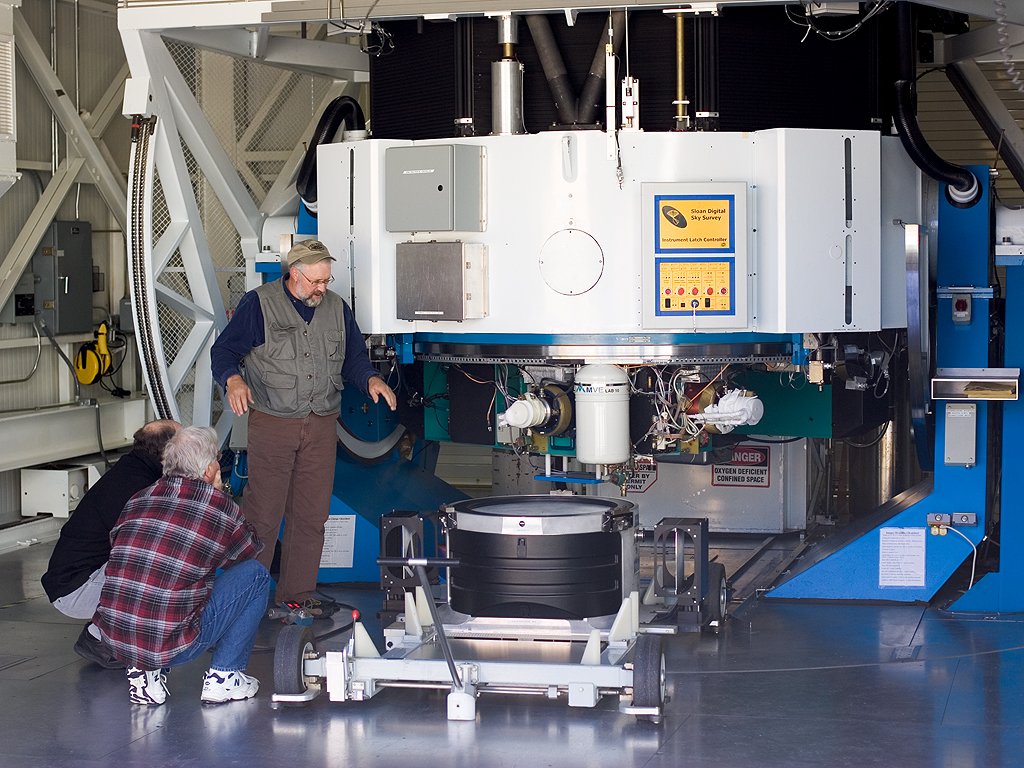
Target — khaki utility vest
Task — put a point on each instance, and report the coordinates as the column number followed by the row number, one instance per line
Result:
column 298, row 367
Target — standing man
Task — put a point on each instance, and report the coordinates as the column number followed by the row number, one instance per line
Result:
column 287, row 351
column 75, row 575
column 163, row 603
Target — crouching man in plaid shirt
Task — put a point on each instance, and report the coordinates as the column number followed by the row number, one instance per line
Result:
column 163, row 604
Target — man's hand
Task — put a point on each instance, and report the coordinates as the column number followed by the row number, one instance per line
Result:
column 376, row 388
column 240, row 397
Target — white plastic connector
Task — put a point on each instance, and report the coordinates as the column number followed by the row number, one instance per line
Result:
column 735, row 408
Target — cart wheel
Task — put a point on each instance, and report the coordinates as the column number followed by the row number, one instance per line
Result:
column 648, row 675
column 717, row 601
column 294, row 644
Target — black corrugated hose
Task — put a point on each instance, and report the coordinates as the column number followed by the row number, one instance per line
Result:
column 343, row 109
column 962, row 187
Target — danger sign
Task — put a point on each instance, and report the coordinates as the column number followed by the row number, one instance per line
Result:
column 643, row 476
column 748, row 468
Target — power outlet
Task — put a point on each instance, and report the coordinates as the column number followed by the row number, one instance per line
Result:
column 953, row 519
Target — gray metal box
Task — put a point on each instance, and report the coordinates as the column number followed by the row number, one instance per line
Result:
column 63, row 264
column 961, row 434
column 434, row 188
column 21, row 307
column 441, row 281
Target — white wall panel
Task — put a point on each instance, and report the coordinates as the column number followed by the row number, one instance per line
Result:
column 10, row 497
column 799, row 231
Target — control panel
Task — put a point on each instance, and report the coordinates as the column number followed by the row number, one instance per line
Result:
column 695, row 255
column 695, row 285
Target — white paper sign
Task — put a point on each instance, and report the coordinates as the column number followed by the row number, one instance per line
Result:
column 901, row 557
column 339, row 541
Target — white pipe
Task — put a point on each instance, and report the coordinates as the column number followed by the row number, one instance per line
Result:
column 78, row 103
column 54, row 154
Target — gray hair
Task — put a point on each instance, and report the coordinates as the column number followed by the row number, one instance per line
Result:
column 190, row 452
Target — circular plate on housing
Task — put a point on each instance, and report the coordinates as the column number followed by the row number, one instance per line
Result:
column 541, row 514
column 571, row 262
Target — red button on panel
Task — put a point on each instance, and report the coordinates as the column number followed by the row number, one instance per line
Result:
column 668, row 291
column 681, row 291
column 696, row 291
column 711, row 291
column 724, row 291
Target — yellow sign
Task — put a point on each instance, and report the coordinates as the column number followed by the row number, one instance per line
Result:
column 694, row 223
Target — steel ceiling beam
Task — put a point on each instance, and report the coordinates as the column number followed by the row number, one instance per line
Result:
column 991, row 113
column 111, row 188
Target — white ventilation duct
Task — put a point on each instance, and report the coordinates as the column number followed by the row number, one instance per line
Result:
column 8, row 122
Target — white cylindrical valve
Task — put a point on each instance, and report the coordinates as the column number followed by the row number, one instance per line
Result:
column 602, row 415
column 528, row 412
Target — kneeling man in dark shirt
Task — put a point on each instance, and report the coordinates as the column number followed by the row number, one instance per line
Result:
column 163, row 603
column 74, row 578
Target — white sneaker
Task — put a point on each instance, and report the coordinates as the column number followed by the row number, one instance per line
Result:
column 219, row 687
column 147, row 688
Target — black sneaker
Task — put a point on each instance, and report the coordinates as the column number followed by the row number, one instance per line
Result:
column 93, row 649
column 321, row 609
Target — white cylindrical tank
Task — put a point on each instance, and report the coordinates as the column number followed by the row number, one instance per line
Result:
column 602, row 414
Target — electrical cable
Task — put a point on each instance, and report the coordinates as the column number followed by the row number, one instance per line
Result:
column 35, row 365
column 324, row 636
column 386, row 44
column 875, row 441
column 1002, row 35
column 99, row 437
column 974, row 549
column 838, row 34
column 71, row 366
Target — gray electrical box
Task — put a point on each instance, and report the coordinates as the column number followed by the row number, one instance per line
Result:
column 441, row 281
column 961, row 434
column 434, row 188
column 126, row 315
column 63, row 265
column 21, row 307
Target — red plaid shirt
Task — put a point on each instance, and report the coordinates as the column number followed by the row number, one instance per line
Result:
column 167, row 545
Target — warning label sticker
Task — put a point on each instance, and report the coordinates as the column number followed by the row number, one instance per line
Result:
column 749, row 468
column 643, row 476
column 694, row 223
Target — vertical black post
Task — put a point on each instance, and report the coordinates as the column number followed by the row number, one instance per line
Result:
column 706, row 75
column 464, row 77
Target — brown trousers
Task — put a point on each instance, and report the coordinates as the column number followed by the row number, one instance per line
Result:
column 291, row 474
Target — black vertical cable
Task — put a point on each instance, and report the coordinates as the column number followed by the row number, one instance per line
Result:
column 464, row 77
column 706, row 86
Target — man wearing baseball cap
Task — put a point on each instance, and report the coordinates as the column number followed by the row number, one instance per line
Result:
column 284, row 357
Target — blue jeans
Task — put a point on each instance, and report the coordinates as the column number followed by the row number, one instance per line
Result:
column 231, row 616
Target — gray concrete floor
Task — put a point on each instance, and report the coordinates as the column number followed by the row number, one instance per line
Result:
column 783, row 685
